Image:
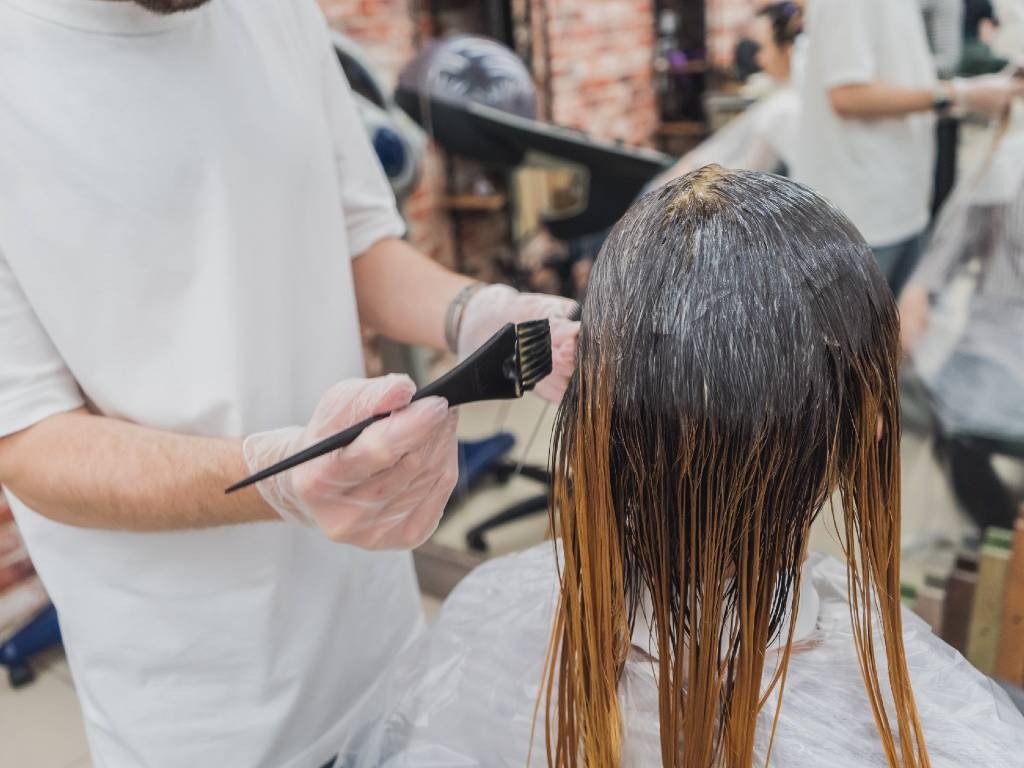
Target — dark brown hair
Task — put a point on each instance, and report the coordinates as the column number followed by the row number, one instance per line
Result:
column 787, row 20
column 738, row 351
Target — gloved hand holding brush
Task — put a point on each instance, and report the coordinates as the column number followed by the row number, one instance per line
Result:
column 386, row 490
column 488, row 307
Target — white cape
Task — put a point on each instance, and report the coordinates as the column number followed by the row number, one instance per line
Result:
column 464, row 694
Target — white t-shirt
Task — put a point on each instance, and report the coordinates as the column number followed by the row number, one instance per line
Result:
column 879, row 171
column 179, row 199
column 762, row 138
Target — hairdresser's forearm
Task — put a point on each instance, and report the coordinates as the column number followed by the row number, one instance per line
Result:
column 878, row 100
column 97, row 472
column 403, row 294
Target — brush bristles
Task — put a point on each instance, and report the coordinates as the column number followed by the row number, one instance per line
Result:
column 534, row 352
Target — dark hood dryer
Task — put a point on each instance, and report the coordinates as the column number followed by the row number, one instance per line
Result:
column 476, row 99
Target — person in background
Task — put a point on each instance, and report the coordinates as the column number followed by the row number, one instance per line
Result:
column 962, row 313
column 193, row 227
column 979, row 31
column 980, row 20
column 867, row 131
column 764, row 137
column 942, row 22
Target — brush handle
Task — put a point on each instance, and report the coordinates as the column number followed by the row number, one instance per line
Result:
column 462, row 384
column 332, row 443
column 328, row 444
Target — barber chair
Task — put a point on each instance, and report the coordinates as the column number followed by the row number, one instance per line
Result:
column 477, row 458
column 476, row 537
column 480, row 460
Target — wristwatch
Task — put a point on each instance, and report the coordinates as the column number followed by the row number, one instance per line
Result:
column 942, row 98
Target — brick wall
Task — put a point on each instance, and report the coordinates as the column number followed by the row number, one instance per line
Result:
column 430, row 226
column 593, row 64
column 727, row 22
column 383, row 27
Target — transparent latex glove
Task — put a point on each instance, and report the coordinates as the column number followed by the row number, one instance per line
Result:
column 494, row 305
column 387, row 489
column 988, row 95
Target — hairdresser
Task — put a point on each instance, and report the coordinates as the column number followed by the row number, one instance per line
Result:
column 870, row 97
column 193, row 226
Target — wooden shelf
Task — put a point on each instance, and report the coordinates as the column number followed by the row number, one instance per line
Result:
column 478, row 203
column 684, row 128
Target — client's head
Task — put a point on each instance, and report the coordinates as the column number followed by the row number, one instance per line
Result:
column 738, row 351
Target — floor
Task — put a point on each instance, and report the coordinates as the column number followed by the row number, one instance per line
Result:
column 40, row 724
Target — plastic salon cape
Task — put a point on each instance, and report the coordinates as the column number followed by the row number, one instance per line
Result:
column 464, row 695
column 972, row 355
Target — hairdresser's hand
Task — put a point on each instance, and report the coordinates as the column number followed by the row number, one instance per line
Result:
column 988, row 95
column 914, row 310
column 387, row 489
column 494, row 305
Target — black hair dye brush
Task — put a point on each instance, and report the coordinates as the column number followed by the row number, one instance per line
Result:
column 509, row 364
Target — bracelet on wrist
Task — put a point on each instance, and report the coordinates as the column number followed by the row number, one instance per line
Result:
column 453, row 315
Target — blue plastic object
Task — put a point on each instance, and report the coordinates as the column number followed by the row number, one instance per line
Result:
column 390, row 151
column 478, row 457
column 39, row 634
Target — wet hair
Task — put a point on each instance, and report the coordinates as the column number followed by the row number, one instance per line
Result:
column 786, row 19
column 737, row 355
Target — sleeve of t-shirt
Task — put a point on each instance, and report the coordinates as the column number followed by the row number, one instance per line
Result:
column 34, row 381
column 371, row 213
column 944, row 26
column 839, row 29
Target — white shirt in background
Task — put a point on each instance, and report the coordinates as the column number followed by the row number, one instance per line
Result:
column 179, row 200
column 879, row 171
column 761, row 138
column 944, row 26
